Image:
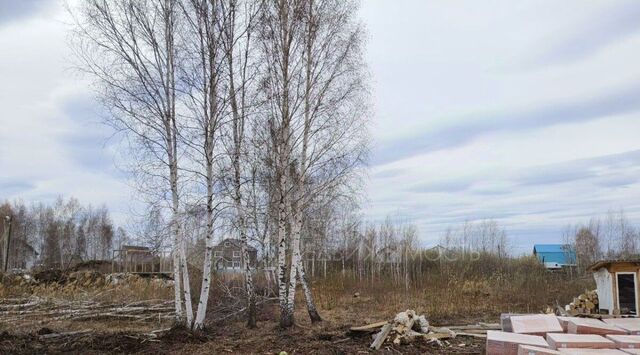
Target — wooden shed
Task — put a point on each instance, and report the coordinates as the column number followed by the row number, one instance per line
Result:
column 617, row 283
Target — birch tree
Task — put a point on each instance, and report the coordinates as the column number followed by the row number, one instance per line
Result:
column 238, row 26
column 202, row 72
column 316, row 90
column 129, row 48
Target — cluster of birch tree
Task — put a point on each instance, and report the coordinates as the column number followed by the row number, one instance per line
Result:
column 247, row 114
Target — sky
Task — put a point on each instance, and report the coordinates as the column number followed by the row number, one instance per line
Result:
column 525, row 112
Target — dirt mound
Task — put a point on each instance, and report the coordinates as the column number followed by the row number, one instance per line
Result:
column 102, row 266
column 49, row 276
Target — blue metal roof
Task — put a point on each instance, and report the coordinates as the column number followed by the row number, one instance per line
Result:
column 550, row 248
column 555, row 253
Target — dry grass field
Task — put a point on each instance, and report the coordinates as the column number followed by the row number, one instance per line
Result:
column 136, row 308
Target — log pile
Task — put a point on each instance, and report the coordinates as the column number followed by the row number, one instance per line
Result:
column 408, row 326
column 37, row 310
column 586, row 303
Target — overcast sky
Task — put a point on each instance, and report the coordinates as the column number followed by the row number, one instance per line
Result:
column 527, row 112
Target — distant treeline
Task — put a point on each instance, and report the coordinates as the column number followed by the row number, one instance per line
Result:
column 58, row 234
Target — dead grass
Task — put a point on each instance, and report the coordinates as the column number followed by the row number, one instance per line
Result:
column 454, row 292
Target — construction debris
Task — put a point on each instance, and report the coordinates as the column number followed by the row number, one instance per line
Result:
column 586, row 303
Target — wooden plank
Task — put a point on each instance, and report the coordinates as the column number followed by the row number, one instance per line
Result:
column 588, row 341
column 368, row 327
column 381, row 337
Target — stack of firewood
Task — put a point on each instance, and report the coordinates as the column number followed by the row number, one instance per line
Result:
column 586, row 303
column 408, row 326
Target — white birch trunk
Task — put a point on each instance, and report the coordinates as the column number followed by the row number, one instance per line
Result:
column 177, row 275
column 186, row 287
column 308, row 295
column 206, row 273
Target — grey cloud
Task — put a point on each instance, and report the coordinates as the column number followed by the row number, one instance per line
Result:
column 14, row 187
column 88, row 144
column 608, row 27
column 601, row 170
column 13, row 10
column 623, row 100
column 451, row 185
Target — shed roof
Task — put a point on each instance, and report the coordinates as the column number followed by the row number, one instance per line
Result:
column 606, row 263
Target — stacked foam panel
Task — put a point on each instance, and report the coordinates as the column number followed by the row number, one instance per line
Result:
column 592, row 326
column 505, row 343
column 582, row 341
column 625, row 341
column 536, row 350
column 537, row 324
column 564, row 322
column 592, row 352
column 631, row 325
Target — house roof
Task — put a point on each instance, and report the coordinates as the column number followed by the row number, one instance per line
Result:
column 236, row 243
column 606, row 263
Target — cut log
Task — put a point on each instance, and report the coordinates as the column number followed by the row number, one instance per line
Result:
column 59, row 335
column 381, row 337
column 582, row 341
column 505, row 343
column 592, row 326
column 625, row 341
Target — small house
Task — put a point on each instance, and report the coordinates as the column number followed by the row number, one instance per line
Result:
column 555, row 256
column 227, row 255
column 617, row 284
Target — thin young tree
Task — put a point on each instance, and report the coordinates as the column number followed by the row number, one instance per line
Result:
column 129, row 48
column 237, row 27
